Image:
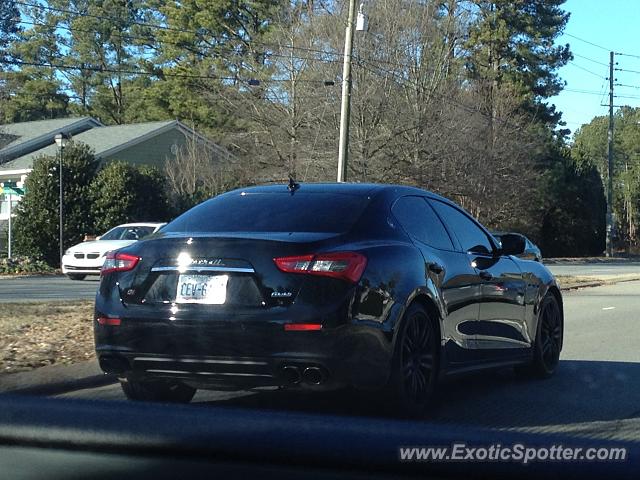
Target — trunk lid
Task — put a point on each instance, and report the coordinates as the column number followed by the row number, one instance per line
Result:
column 218, row 270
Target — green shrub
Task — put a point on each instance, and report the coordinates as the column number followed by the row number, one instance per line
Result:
column 123, row 193
column 36, row 224
column 23, row 265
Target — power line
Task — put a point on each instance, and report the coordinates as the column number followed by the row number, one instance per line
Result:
column 587, row 92
column 625, row 70
column 585, row 69
column 599, row 94
column 627, row 86
column 167, row 28
column 603, row 90
column 598, row 46
column 154, row 74
column 222, row 49
column 110, row 70
column 591, row 60
column 627, row 55
column 585, row 41
column 218, row 51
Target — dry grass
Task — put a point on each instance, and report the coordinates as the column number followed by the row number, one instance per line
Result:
column 33, row 335
column 571, row 280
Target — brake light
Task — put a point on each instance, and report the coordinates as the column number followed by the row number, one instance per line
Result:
column 344, row 265
column 113, row 322
column 118, row 262
column 302, row 327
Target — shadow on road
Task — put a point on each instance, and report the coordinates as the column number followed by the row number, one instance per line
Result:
column 581, row 391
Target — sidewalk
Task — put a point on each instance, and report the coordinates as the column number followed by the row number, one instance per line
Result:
column 56, row 379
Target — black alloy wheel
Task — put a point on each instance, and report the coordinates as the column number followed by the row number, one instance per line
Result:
column 415, row 368
column 550, row 336
column 548, row 343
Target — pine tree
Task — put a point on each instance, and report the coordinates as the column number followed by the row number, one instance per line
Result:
column 33, row 91
column 9, row 27
column 511, row 46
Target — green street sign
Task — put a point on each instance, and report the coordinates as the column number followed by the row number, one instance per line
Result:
column 10, row 188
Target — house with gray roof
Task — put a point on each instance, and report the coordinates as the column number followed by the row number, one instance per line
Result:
column 150, row 143
column 16, row 139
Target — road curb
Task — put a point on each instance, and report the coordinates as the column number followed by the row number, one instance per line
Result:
column 64, row 387
column 56, row 379
column 12, row 276
column 599, row 283
column 581, row 285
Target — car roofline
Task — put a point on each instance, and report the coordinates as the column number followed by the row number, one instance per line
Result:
column 139, row 224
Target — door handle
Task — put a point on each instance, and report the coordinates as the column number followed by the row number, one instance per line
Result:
column 436, row 268
column 485, row 275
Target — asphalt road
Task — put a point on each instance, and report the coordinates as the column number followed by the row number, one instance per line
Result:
column 46, row 288
column 595, row 393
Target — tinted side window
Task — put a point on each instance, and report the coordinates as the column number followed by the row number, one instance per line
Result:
column 421, row 223
column 470, row 236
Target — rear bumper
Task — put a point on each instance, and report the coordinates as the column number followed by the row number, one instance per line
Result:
column 228, row 373
column 349, row 355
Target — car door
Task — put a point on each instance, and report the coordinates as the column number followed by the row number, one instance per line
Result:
column 501, row 324
column 450, row 273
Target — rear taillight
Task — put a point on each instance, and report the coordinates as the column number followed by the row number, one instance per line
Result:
column 118, row 262
column 344, row 265
column 109, row 321
column 302, row 327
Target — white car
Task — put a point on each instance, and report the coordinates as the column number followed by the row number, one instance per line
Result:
column 87, row 258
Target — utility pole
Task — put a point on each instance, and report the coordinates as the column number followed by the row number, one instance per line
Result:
column 346, row 96
column 609, row 243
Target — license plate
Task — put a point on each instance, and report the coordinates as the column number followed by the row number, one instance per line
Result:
column 206, row 289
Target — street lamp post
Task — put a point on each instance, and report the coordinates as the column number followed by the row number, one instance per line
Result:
column 61, row 142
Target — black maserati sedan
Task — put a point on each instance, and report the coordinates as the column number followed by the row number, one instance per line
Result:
column 322, row 286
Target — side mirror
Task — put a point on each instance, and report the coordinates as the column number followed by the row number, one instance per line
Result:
column 512, row 244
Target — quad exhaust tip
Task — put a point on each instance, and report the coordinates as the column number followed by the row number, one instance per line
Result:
column 314, row 375
column 291, row 374
column 309, row 375
column 114, row 365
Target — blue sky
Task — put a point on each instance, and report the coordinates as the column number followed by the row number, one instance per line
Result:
column 611, row 25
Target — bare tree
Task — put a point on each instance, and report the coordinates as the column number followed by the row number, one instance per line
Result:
column 200, row 169
column 416, row 117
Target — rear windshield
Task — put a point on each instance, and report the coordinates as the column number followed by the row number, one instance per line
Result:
column 273, row 212
column 127, row 233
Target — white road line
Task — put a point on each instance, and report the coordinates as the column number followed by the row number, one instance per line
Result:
column 608, row 308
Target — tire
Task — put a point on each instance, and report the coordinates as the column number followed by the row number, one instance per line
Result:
column 157, row 391
column 549, row 334
column 76, row 276
column 415, row 365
